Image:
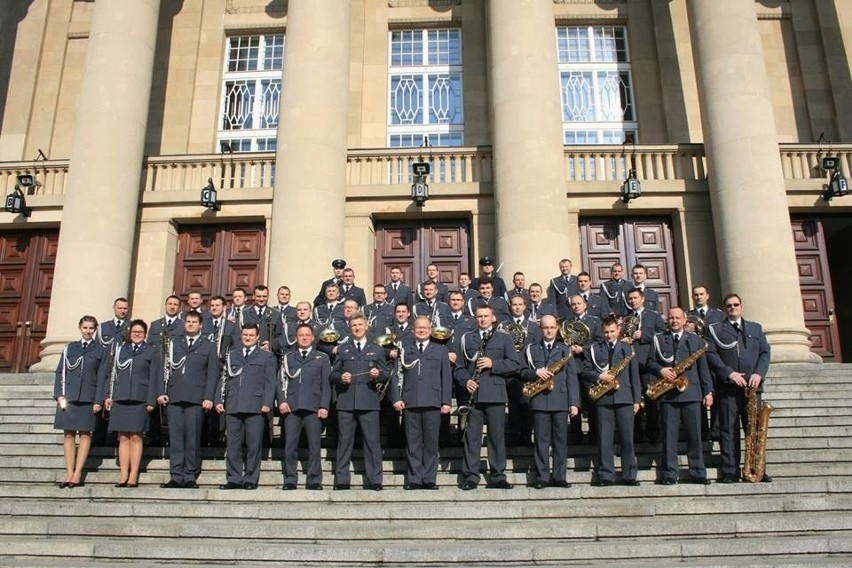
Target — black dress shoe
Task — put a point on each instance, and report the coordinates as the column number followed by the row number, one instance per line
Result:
column 250, row 486
column 73, row 484
column 313, row 487
column 700, row 481
column 502, row 484
column 123, row 484
column 288, row 486
column 430, row 486
column 539, row 485
column 64, row 484
column 729, row 479
column 132, row 485
column 172, row 484
column 468, row 486
column 561, row 484
column 602, row 483
column 230, row 485
column 668, row 482
column 631, row 482
column 190, row 485
column 376, row 487
column 413, row 486
column 341, row 487
column 766, row 478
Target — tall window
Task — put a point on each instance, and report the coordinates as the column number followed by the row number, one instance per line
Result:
column 251, row 93
column 425, row 88
column 597, row 91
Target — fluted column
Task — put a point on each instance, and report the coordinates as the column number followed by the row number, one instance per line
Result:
column 308, row 207
column 752, row 223
column 529, row 182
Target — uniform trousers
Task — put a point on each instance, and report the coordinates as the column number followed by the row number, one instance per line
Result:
column 671, row 416
column 368, row 421
column 733, row 411
column 495, row 416
column 245, row 438
column 609, row 417
column 294, row 423
column 185, row 424
column 551, row 431
column 422, row 427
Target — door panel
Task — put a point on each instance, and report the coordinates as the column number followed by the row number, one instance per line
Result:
column 631, row 240
column 27, row 260
column 414, row 245
column 816, row 290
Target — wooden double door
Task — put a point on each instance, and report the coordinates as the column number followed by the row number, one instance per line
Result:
column 412, row 245
column 215, row 259
column 631, row 240
column 27, row 260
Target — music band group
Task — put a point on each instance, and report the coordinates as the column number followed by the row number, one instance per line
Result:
column 395, row 365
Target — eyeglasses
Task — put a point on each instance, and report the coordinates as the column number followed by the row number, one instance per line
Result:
column 729, row 306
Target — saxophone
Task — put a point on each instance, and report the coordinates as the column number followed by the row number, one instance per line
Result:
column 540, row 385
column 600, row 388
column 573, row 333
column 661, row 386
column 754, row 462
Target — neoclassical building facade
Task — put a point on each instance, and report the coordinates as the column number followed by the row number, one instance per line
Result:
column 307, row 116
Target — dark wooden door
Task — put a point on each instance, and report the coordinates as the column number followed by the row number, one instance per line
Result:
column 413, row 245
column 631, row 240
column 27, row 259
column 815, row 284
column 215, row 259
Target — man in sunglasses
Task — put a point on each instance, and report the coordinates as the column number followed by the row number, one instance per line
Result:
column 739, row 359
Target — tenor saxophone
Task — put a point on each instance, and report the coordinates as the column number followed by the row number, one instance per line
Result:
column 600, row 388
column 661, row 386
column 754, row 461
column 540, row 385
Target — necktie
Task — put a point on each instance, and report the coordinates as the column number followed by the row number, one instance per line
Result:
column 135, row 347
column 330, row 307
column 565, row 278
column 534, row 311
column 395, row 287
column 420, row 347
column 237, row 312
column 358, row 346
column 463, row 291
column 702, row 312
column 456, row 317
column 216, row 326
column 401, row 327
column 170, row 321
column 190, row 340
column 246, row 352
column 549, row 348
column 611, row 350
column 675, row 340
column 518, row 321
column 85, row 344
column 304, row 354
column 736, row 327
column 119, row 323
column 585, row 297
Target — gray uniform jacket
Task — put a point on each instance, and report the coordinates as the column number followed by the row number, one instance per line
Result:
column 427, row 378
column 505, row 363
column 596, row 361
column 566, row 386
column 361, row 393
column 82, row 369
column 193, row 371
column 663, row 355
column 134, row 381
column 307, row 381
column 746, row 352
column 249, row 384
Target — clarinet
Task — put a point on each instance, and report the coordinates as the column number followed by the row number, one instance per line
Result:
column 223, row 377
column 165, row 351
column 464, row 409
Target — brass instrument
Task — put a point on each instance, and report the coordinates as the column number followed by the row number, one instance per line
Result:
column 628, row 325
column 388, row 341
column 754, row 461
column 698, row 323
column 601, row 388
column 329, row 334
column 464, row 409
column 268, row 326
column 661, row 386
column 516, row 331
column 440, row 333
column 573, row 333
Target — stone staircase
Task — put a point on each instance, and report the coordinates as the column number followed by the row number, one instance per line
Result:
column 803, row 518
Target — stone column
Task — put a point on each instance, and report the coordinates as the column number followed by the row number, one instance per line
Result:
column 102, row 194
column 529, row 182
column 308, row 206
column 750, row 215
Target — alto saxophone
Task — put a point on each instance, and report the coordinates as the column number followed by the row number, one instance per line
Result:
column 661, row 386
column 540, row 385
column 600, row 388
column 754, row 462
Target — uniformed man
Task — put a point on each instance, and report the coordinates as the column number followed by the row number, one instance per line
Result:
column 379, row 313
column 670, row 349
column 187, row 392
column 172, row 322
column 488, row 358
column 350, row 308
column 330, row 313
column 432, row 275
column 595, row 305
column 709, row 315
column 488, row 272
column 397, row 290
column 487, row 297
column 552, row 407
column 421, row 391
column 430, row 306
column 195, row 303
column 348, row 289
column 222, row 337
column 518, row 288
column 246, row 397
column 465, row 287
column 284, row 311
column 537, row 307
column 651, row 323
column 359, row 367
column 337, row 265
column 615, row 409
column 614, row 289
column 579, row 312
column 459, row 321
column 236, row 313
column 640, row 276
column 287, row 339
column 563, row 286
column 520, row 420
column 739, row 359
column 304, row 398
column 115, row 326
column 262, row 315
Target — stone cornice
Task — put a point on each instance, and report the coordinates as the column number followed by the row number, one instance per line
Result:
column 274, row 8
column 422, row 3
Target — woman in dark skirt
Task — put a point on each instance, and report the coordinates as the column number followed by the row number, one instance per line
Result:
column 77, row 375
column 127, row 389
